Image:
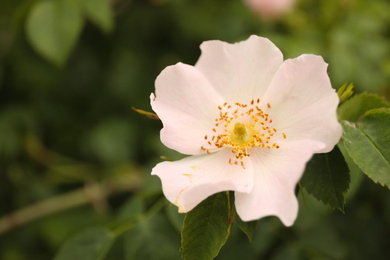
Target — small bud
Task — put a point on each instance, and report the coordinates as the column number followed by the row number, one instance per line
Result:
column 345, row 92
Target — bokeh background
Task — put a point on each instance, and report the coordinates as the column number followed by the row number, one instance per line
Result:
column 70, row 138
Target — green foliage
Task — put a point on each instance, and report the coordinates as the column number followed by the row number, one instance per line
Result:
column 206, row 228
column 365, row 134
column 53, row 28
column 356, row 173
column 248, row 227
column 100, row 13
column 327, row 178
column 367, row 142
column 357, row 105
column 152, row 238
column 92, row 244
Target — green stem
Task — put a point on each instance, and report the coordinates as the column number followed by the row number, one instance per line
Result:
column 156, row 207
column 128, row 224
column 93, row 193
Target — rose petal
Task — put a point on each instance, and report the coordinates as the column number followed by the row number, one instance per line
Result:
column 271, row 8
column 189, row 181
column 303, row 101
column 187, row 105
column 242, row 71
column 277, row 172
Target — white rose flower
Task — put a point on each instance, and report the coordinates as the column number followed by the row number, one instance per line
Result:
column 249, row 121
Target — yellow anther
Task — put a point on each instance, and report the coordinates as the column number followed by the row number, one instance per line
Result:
column 242, row 164
column 242, row 130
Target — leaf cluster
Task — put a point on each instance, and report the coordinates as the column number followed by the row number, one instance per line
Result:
column 366, row 135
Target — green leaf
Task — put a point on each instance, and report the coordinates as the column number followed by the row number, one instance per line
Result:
column 100, row 13
column 355, row 172
column 152, row 238
column 92, row 244
column 53, row 28
column 206, row 228
column 368, row 144
column 248, row 228
column 356, row 106
column 327, row 178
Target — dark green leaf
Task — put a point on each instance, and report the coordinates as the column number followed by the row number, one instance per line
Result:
column 355, row 172
column 53, row 28
column 99, row 11
column 327, row 178
column 92, row 244
column 352, row 109
column 206, row 228
column 152, row 238
column 248, row 228
column 368, row 144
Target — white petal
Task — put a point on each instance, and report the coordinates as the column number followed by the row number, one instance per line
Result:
column 242, row 71
column 303, row 101
column 187, row 105
column 188, row 181
column 277, row 171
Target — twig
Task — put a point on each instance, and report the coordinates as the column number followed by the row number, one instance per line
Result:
column 93, row 193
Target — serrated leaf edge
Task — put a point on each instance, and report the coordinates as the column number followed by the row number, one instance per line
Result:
column 353, row 159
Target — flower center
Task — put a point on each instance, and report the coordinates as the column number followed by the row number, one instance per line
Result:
column 240, row 134
column 242, row 127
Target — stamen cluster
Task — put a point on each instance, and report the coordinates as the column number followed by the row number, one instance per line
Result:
column 242, row 127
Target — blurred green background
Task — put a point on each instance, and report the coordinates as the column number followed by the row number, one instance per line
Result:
column 68, row 132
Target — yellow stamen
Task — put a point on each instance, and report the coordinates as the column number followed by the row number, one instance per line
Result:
column 243, row 128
